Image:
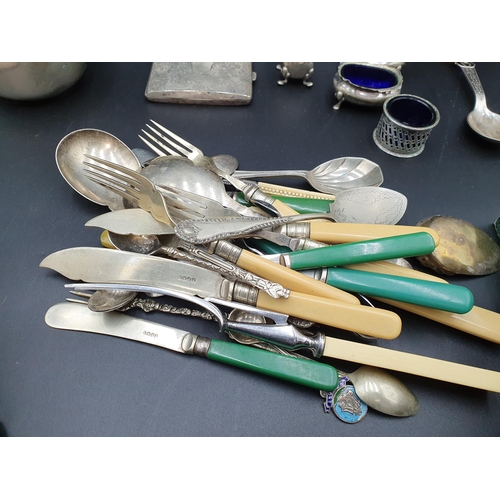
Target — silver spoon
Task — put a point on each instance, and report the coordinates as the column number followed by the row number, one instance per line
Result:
column 483, row 121
column 181, row 173
column 329, row 177
column 70, row 157
column 377, row 388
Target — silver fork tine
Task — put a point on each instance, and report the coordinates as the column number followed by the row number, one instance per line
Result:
column 159, row 152
column 79, row 294
column 101, row 163
column 178, row 148
column 180, row 140
column 117, row 188
column 109, row 174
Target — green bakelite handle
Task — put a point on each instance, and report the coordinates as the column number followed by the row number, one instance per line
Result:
column 392, row 247
column 300, row 205
column 443, row 296
column 300, row 371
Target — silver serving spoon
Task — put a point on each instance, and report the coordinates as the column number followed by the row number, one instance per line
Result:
column 181, row 173
column 329, row 177
column 483, row 121
column 377, row 388
column 70, row 157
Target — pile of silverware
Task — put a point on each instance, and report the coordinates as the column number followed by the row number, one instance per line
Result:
column 279, row 259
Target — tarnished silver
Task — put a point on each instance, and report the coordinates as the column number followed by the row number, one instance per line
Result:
column 383, row 392
column 202, row 231
column 405, row 125
column 369, row 94
column 483, row 121
column 177, row 172
column 184, row 205
column 70, row 155
column 130, row 221
column 280, row 333
column 172, row 144
column 330, row 177
column 151, row 245
column 227, row 268
column 128, row 184
column 214, row 83
column 296, row 70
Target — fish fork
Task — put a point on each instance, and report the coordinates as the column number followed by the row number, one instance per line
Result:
column 131, row 185
column 177, row 146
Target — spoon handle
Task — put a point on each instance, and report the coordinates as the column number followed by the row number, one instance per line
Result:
column 470, row 73
column 249, row 174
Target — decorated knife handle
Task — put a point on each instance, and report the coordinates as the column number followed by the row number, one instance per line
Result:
column 299, row 371
column 283, row 335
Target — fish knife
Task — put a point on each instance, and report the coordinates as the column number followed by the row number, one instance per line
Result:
column 102, row 265
column 78, row 317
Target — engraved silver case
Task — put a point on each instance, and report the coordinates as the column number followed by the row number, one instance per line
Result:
column 214, row 83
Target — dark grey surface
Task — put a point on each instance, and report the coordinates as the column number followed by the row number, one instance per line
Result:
column 55, row 383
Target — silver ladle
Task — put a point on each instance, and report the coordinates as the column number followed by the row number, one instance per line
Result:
column 483, row 121
column 70, row 155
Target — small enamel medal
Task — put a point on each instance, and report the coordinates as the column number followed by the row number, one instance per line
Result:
column 345, row 402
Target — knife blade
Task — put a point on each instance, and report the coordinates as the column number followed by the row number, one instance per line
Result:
column 130, row 221
column 102, row 265
column 78, row 317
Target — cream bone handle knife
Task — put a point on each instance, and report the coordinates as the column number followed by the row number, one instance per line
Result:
column 79, row 317
column 101, row 265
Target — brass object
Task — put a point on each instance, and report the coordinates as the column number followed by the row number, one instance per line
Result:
column 463, row 248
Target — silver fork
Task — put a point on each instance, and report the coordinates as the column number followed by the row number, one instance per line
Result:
column 129, row 184
column 172, row 144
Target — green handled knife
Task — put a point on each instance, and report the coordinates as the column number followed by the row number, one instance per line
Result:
column 436, row 295
column 391, row 247
column 78, row 317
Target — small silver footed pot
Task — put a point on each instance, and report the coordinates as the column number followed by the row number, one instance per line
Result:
column 29, row 81
column 296, row 70
column 366, row 83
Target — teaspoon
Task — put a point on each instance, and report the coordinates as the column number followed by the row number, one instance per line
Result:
column 483, row 121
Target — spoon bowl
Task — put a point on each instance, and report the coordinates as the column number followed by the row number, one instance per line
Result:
column 383, row 392
column 369, row 205
column 181, row 173
column 70, row 157
column 483, row 121
column 110, row 300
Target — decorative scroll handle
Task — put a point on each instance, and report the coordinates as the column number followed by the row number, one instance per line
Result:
column 470, row 72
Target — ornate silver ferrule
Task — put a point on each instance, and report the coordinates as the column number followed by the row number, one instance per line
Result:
column 226, row 250
column 253, row 193
column 283, row 335
column 295, row 230
column 244, row 293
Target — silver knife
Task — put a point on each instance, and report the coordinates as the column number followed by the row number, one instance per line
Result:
column 78, row 317
column 101, row 265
